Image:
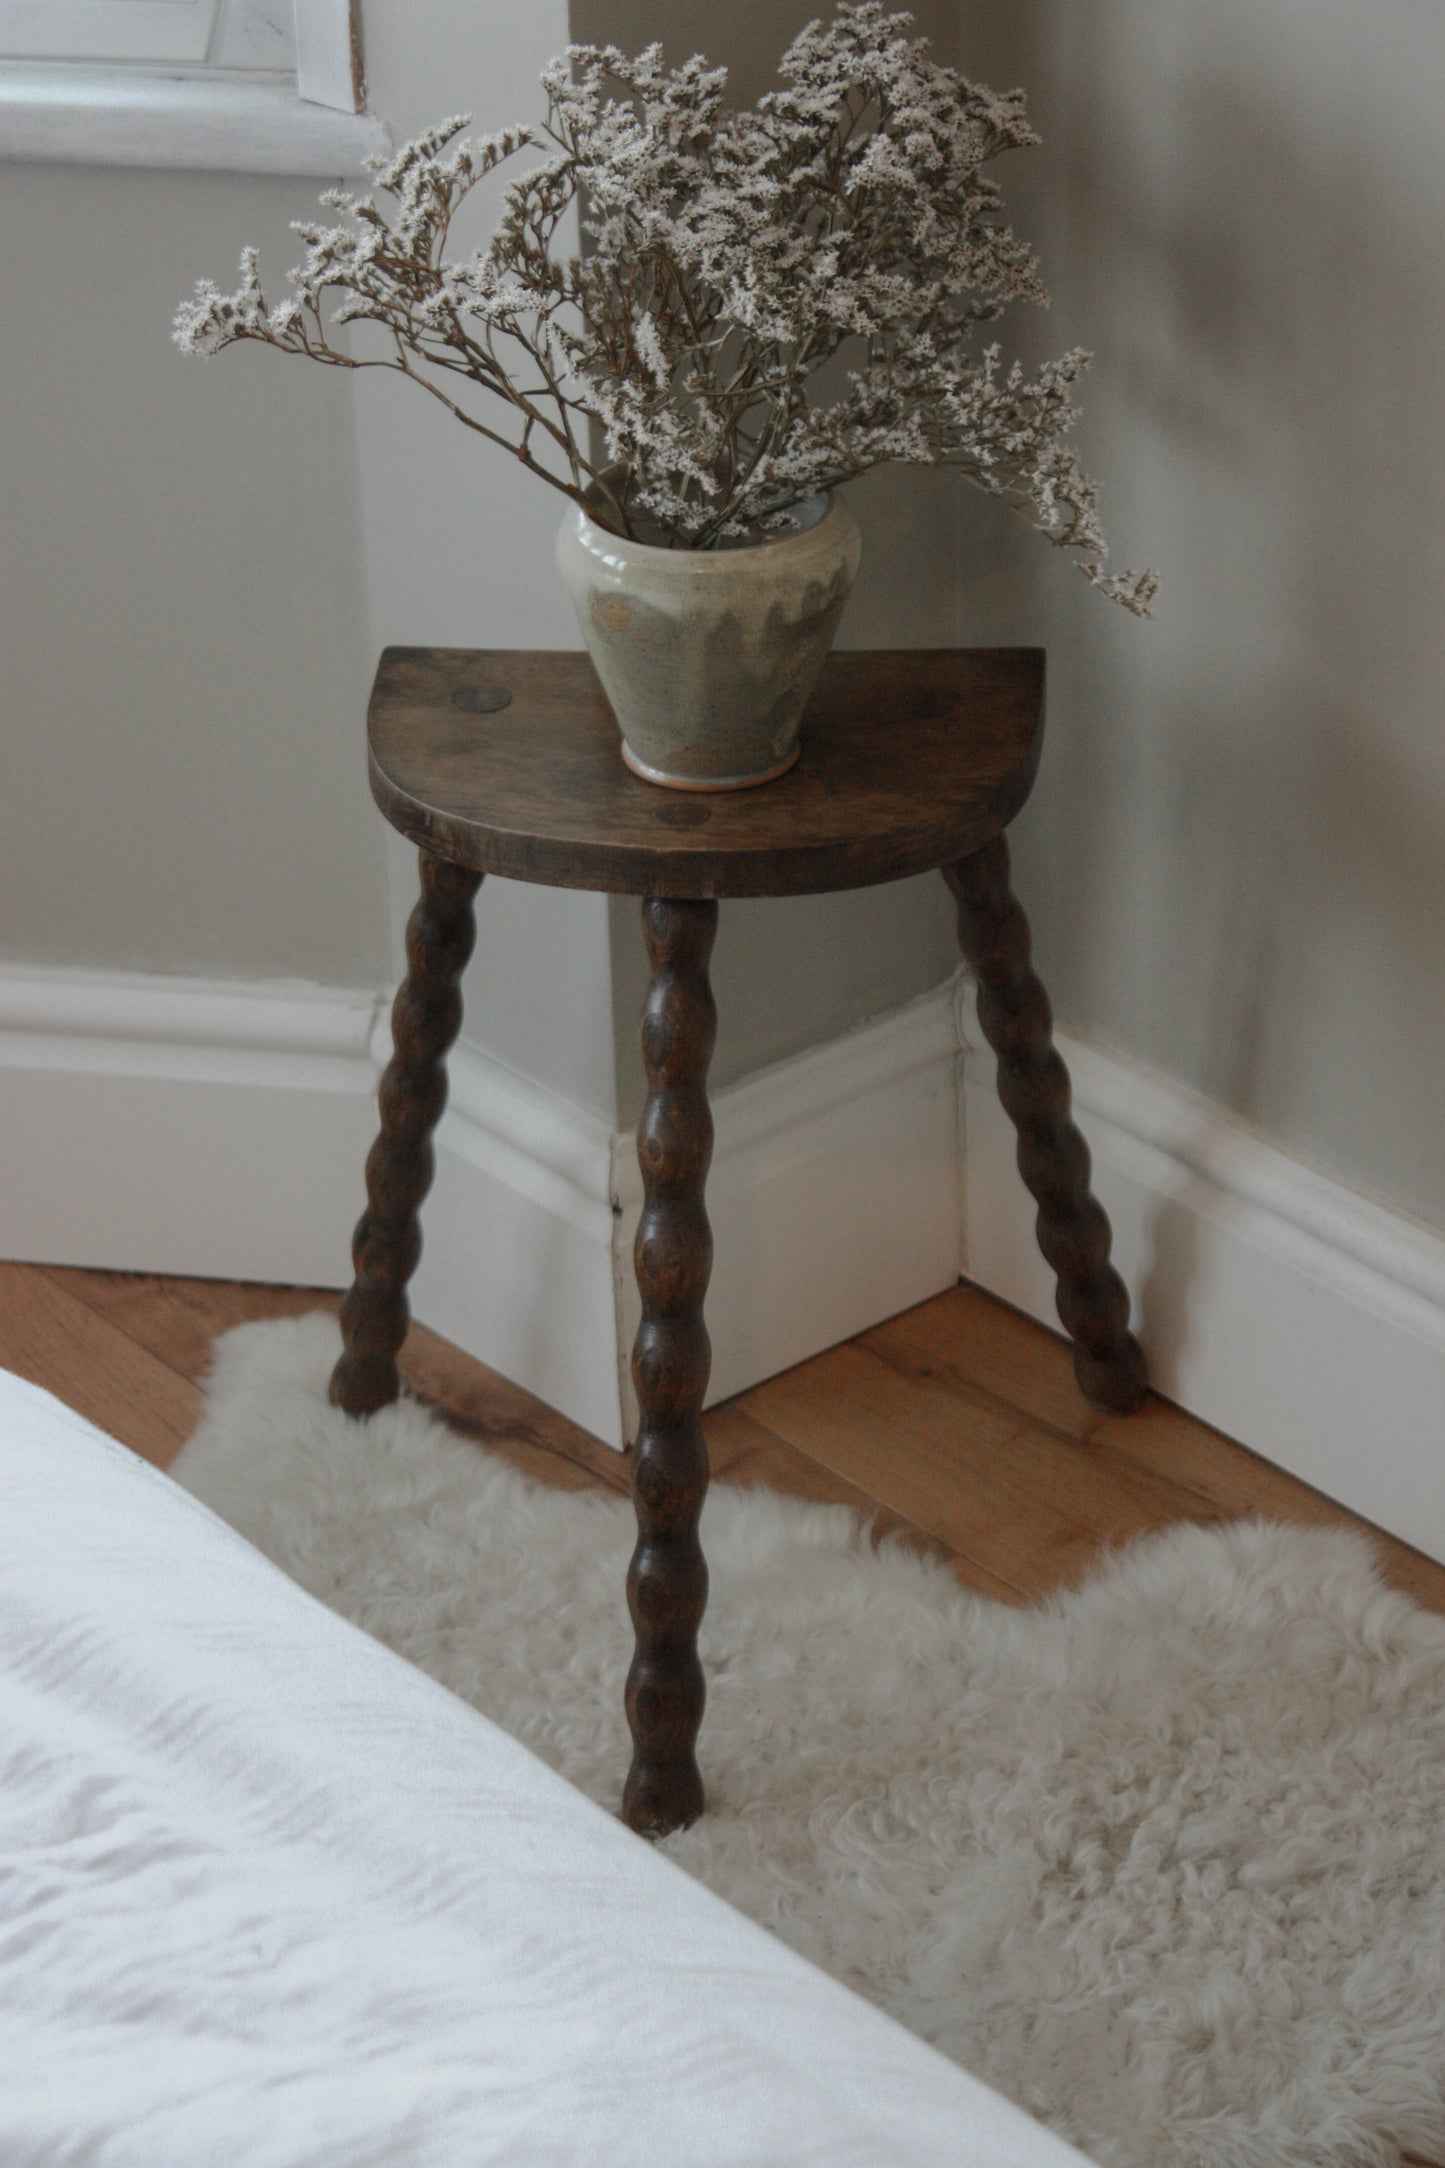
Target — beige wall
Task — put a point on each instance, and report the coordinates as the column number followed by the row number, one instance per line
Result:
column 1236, row 854
column 458, row 547
column 180, row 581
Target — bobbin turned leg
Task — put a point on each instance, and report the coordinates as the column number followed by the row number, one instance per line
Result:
column 1033, row 1084
column 425, row 1019
column 667, row 1581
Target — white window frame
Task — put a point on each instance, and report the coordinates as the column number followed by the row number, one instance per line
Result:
column 141, row 111
column 98, row 30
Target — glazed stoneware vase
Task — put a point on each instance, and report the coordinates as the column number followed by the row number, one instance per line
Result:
column 708, row 656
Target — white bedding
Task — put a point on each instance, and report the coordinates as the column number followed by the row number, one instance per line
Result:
column 269, row 1895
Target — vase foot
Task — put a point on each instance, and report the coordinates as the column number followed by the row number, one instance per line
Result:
column 661, row 777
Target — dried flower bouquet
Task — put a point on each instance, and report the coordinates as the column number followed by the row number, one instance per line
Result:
column 667, row 378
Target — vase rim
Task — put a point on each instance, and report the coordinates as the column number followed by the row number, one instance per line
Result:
column 701, row 561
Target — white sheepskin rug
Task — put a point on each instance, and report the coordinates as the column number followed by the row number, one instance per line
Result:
column 1163, row 1860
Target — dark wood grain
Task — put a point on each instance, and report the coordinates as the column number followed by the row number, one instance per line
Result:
column 910, row 759
column 667, row 1581
column 425, row 1019
column 1033, row 1083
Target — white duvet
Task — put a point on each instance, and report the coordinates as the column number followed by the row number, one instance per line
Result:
column 269, row 1895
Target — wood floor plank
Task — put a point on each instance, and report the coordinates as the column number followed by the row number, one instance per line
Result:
column 507, row 1418
column 1026, row 1504
column 744, row 1451
column 970, row 1343
column 53, row 1339
column 178, row 1319
column 997, row 1362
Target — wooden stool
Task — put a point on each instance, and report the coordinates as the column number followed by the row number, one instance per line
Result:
column 494, row 762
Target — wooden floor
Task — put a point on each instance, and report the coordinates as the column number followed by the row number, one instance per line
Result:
column 958, row 1423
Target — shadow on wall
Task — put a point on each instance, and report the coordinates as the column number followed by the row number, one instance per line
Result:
column 1236, row 856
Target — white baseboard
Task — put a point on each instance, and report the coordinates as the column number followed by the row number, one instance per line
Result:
column 181, row 1125
column 173, row 1125
column 1274, row 1301
column 516, row 1263
column 833, row 1197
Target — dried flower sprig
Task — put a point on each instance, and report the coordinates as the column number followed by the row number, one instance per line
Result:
column 668, row 377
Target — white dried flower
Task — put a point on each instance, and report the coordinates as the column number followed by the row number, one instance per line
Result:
column 728, row 255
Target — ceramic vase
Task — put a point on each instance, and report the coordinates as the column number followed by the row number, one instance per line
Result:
column 708, row 656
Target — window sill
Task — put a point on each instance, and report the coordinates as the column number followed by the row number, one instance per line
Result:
column 116, row 116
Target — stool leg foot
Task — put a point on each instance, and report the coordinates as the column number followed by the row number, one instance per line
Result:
column 1073, row 1231
column 425, row 1019
column 667, row 1581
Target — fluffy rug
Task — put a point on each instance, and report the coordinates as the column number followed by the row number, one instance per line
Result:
column 1162, row 1860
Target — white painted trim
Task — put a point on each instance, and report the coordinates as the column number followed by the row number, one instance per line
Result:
column 832, row 1194
column 168, row 118
column 154, row 30
column 182, row 1125
column 198, row 1126
column 516, row 1263
column 1296, row 1313
column 328, row 54
column 63, row 1016
column 177, row 1125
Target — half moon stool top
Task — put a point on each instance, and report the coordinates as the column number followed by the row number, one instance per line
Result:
column 510, row 763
